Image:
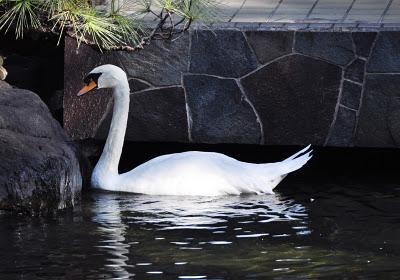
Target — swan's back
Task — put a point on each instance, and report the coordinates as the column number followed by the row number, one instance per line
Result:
column 205, row 173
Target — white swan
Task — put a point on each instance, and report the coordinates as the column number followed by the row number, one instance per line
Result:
column 188, row 173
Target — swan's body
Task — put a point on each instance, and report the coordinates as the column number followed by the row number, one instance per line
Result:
column 188, row 173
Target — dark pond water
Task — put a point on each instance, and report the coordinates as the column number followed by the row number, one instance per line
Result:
column 305, row 231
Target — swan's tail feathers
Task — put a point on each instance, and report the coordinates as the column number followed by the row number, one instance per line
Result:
column 303, row 151
column 293, row 163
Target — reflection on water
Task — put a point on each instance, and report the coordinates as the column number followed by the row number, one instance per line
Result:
column 161, row 213
column 204, row 212
column 302, row 232
column 107, row 214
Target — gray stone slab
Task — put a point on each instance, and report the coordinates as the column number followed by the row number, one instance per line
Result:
column 154, row 115
column 223, row 53
column 378, row 120
column 255, row 11
column 219, row 112
column 342, row 134
column 351, row 95
column 161, row 62
column 335, row 10
column 290, row 11
column 331, row 46
column 363, row 42
column 269, row 45
column 91, row 107
column 137, row 85
column 385, row 57
column 355, row 71
column 295, row 98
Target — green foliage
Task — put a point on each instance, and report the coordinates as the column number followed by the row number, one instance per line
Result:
column 22, row 13
column 112, row 28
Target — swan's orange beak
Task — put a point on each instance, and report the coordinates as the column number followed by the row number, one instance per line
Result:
column 87, row 88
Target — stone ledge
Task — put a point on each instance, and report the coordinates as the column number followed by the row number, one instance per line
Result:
column 301, row 26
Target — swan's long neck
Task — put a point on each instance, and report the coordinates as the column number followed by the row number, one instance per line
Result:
column 109, row 160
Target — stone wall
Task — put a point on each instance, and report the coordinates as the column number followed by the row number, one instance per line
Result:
column 247, row 85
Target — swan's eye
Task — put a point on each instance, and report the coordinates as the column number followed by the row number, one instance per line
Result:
column 91, row 82
column 92, row 77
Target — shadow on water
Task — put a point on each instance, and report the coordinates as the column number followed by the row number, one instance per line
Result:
column 340, row 227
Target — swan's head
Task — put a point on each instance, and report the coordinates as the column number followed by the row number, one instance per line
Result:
column 104, row 76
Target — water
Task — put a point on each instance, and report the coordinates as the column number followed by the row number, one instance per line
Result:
column 305, row 231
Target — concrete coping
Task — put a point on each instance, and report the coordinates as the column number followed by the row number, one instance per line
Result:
column 282, row 26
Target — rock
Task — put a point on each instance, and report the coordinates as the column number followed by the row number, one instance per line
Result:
column 4, row 85
column 269, row 45
column 381, row 96
column 39, row 170
column 154, row 115
column 335, row 47
column 295, row 97
column 219, row 111
column 224, row 53
column 161, row 62
column 355, row 71
column 363, row 42
column 343, row 130
column 351, row 95
column 385, row 57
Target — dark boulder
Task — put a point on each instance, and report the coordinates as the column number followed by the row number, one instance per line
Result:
column 39, row 171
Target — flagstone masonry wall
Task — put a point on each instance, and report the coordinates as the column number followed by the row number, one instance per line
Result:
column 249, row 85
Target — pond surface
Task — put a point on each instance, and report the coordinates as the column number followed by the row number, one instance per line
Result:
column 305, row 231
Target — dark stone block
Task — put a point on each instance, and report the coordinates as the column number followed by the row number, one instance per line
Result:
column 363, row 42
column 221, row 52
column 154, row 115
column 380, row 103
column 385, row 57
column 355, row 71
column 351, row 95
column 269, row 45
column 219, row 112
column 343, row 130
column 161, row 63
column 336, row 47
column 295, row 98
column 82, row 114
column 137, row 85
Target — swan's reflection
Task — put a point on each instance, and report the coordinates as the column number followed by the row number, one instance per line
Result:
column 107, row 214
column 203, row 212
column 171, row 212
column 116, row 212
